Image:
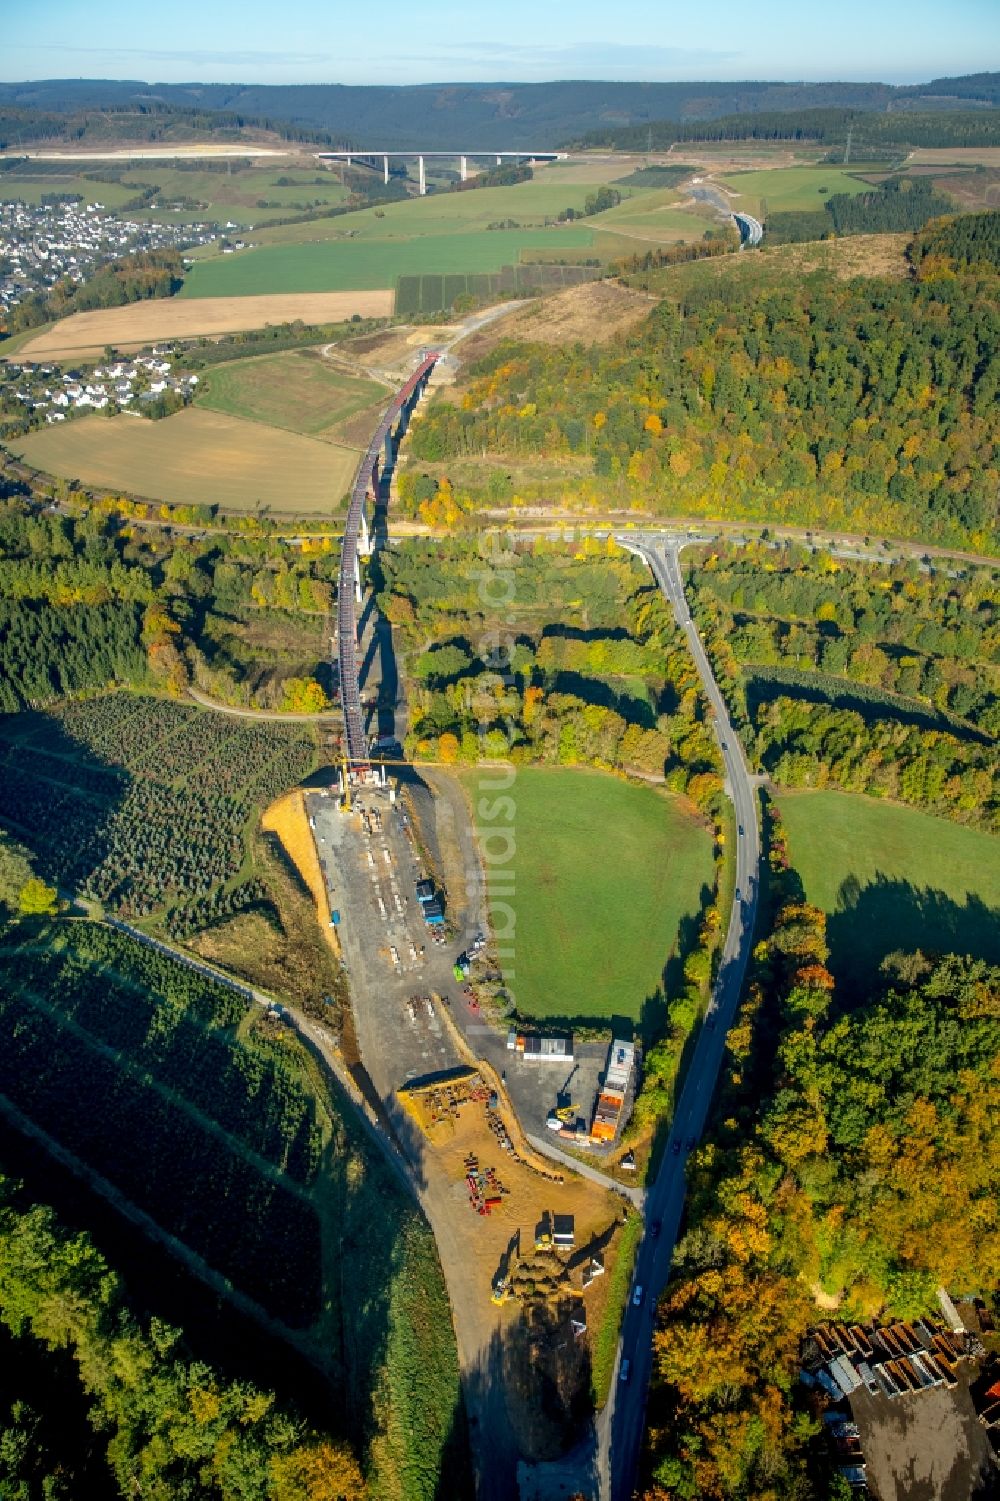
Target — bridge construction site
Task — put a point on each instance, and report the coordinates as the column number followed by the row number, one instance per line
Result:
column 466, row 1110
column 357, row 544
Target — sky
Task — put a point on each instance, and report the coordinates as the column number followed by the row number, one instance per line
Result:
column 434, row 41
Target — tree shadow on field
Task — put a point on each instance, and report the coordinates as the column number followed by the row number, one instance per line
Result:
column 528, row 1400
column 602, row 693
column 887, row 915
column 763, row 685
column 579, row 633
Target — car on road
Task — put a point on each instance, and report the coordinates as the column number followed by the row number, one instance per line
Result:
column 741, row 831
column 654, row 1229
column 738, row 897
column 624, row 1369
column 637, row 1297
column 676, row 1149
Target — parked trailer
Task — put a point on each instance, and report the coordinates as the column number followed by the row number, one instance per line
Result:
column 923, row 1367
column 885, row 1380
column 905, row 1375
column 861, row 1339
column 845, row 1375
column 944, row 1370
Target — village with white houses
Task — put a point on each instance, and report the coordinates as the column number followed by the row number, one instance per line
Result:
column 137, row 383
column 43, row 244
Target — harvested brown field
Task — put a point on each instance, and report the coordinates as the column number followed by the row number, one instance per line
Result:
column 197, row 457
column 593, row 313
column 957, row 156
column 975, row 191
column 144, row 323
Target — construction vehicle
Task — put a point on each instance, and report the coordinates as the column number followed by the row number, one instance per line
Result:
column 565, row 1113
column 500, row 1292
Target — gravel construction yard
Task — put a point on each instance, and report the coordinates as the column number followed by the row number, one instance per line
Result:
column 393, row 964
column 926, row 1446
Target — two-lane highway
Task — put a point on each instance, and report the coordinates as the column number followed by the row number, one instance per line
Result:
column 622, row 1421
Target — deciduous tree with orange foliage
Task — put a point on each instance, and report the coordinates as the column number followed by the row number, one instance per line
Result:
column 857, row 1159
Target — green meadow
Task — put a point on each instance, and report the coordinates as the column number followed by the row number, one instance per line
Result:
column 604, row 873
column 359, row 265
column 891, row 877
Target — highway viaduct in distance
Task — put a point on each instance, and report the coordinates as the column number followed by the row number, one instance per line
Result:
column 462, row 157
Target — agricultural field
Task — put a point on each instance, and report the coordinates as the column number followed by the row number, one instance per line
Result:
column 197, row 457
column 17, row 189
column 890, row 878
column 174, row 1097
column 298, row 391
column 604, row 875
column 529, row 204
column 660, row 216
column 431, row 294
column 788, row 188
column 359, row 264
column 188, row 194
column 202, row 1125
column 142, row 323
column 142, row 804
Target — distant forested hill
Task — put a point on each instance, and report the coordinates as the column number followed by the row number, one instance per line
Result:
column 493, row 115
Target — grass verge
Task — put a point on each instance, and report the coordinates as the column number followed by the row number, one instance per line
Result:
column 606, row 1341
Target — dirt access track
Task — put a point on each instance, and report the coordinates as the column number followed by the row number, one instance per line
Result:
column 142, row 323
column 594, row 313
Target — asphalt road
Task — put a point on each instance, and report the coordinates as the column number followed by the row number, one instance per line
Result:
column 622, row 1422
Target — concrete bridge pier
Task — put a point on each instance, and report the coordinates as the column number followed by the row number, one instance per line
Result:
column 358, row 592
column 499, row 161
column 364, row 534
column 389, row 450
column 423, row 177
column 385, row 165
column 463, row 168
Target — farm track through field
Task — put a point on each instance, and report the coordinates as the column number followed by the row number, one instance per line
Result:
column 270, row 714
